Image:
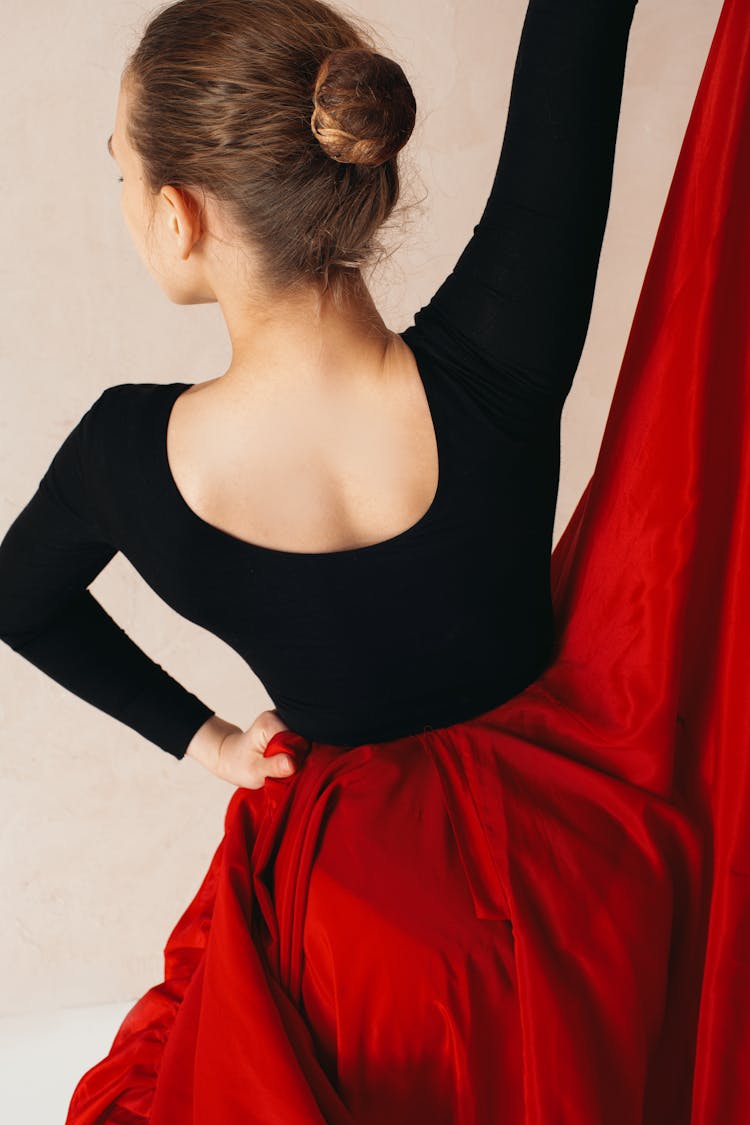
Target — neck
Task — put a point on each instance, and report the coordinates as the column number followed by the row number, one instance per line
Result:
column 306, row 336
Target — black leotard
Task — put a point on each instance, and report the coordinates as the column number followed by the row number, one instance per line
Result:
column 434, row 625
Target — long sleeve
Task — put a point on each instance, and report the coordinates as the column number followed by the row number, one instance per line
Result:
column 511, row 319
column 50, row 554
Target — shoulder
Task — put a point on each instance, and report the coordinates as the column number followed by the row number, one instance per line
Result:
column 102, row 473
column 120, row 402
column 110, row 447
column 117, row 420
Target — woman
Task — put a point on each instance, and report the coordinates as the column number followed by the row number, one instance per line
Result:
column 362, row 947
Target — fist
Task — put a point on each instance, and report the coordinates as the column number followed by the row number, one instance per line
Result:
column 240, row 758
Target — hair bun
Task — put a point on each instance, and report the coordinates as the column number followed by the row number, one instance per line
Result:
column 364, row 107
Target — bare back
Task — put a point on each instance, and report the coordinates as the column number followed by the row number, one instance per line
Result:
column 307, row 468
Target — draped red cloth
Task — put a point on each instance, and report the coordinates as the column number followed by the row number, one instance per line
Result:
column 540, row 916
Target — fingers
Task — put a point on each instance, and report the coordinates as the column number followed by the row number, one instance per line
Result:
column 277, row 765
column 280, row 764
column 256, row 768
column 267, row 724
column 243, row 758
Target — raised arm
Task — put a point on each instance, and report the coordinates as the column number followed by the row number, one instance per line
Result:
column 52, row 551
column 511, row 319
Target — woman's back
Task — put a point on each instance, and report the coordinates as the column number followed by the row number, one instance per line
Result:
column 317, row 464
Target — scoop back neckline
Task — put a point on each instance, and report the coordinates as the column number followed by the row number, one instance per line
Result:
column 260, row 549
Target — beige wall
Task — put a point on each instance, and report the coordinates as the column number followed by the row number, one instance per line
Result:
column 104, row 837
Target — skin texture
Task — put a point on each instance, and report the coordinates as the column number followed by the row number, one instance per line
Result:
column 318, row 404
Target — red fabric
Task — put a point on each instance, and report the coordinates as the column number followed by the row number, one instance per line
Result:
column 540, row 916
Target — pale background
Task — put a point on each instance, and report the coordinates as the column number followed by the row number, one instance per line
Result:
column 105, row 838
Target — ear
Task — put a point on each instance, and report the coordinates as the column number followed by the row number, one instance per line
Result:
column 182, row 216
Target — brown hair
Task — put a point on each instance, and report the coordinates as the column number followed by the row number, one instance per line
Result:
column 285, row 112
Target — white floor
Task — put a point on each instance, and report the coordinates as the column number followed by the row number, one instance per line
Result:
column 43, row 1055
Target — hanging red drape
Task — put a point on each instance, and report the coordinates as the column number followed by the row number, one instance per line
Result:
column 651, row 577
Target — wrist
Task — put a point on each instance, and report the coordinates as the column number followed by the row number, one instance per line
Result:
column 205, row 743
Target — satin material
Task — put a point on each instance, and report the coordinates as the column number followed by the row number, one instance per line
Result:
column 541, row 915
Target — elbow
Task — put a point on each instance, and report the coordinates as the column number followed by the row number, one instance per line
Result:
column 18, row 637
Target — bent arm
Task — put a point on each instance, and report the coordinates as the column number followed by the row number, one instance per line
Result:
column 511, row 319
column 50, row 554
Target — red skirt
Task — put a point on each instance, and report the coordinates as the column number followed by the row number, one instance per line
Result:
column 350, row 956
column 540, row 916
